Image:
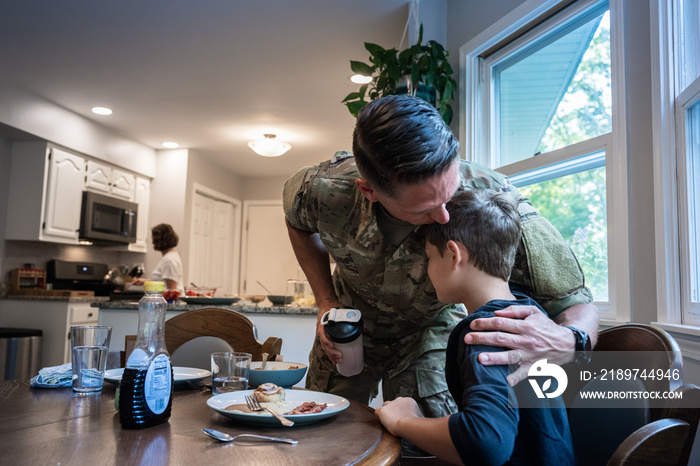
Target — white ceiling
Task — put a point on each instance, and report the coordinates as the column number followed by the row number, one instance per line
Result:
column 209, row 74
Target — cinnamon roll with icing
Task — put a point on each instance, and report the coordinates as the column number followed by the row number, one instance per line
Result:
column 269, row 393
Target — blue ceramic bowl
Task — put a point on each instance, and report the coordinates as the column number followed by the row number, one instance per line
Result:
column 277, row 372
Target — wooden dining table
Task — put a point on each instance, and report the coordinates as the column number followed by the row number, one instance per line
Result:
column 51, row 426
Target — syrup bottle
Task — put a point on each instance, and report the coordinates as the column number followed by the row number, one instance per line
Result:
column 146, row 388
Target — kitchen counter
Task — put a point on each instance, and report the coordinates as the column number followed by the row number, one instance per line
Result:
column 66, row 299
column 245, row 308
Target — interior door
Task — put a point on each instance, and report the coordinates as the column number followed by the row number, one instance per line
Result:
column 215, row 241
column 267, row 255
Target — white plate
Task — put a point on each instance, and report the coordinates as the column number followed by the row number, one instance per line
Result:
column 293, row 398
column 180, row 374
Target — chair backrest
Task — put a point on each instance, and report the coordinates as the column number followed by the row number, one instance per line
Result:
column 599, row 427
column 659, row 350
column 667, row 441
column 231, row 326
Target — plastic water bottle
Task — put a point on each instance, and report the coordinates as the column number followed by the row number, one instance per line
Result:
column 344, row 328
column 146, row 388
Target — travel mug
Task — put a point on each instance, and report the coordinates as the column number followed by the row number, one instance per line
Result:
column 344, row 328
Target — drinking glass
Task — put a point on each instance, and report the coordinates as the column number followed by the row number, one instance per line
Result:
column 89, row 348
column 229, row 372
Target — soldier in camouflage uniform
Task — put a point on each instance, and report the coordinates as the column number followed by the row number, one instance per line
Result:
column 363, row 211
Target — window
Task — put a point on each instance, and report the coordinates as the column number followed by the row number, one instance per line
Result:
column 540, row 109
column 677, row 160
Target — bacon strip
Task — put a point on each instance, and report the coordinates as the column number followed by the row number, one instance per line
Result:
column 308, row 407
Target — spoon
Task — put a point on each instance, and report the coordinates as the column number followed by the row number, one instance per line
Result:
column 265, row 288
column 263, row 364
column 223, row 437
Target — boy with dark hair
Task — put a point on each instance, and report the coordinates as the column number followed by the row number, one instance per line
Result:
column 469, row 261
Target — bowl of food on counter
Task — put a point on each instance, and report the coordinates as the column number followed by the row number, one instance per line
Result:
column 280, row 300
column 282, row 373
column 207, row 295
column 200, row 292
column 171, row 296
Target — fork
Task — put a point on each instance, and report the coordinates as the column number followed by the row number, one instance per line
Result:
column 253, row 405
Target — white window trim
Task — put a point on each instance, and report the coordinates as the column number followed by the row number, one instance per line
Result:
column 668, row 292
column 475, row 135
column 689, row 97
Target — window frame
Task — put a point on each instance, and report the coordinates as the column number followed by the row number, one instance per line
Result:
column 668, row 152
column 477, row 121
column 689, row 97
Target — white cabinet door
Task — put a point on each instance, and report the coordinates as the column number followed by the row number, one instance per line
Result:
column 267, row 255
column 109, row 180
column 142, row 196
column 63, row 196
column 97, row 177
column 123, row 184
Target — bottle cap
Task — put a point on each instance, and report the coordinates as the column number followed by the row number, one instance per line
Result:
column 342, row 325
column 154, row 286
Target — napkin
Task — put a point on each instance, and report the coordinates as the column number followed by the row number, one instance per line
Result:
column 53, row 377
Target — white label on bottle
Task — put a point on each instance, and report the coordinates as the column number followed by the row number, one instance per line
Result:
column 158, row 384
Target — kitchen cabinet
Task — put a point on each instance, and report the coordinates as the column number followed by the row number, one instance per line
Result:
column 54, row 318
column 105, row 179
column 142, row 197
column 45, row 193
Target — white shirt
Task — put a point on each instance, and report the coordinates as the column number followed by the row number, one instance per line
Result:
column 169, row 268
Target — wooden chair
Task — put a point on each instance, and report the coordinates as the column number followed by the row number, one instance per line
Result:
column 667, row 441
column 606, row 429
column 231, row 326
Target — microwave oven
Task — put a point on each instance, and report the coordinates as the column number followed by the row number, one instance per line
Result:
column 105, row 219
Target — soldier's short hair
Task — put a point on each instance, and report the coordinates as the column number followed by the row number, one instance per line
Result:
column 400, row 139
column 487, row 223
column 164, row 237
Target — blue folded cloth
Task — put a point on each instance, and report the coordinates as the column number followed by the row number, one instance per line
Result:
column 53, row 377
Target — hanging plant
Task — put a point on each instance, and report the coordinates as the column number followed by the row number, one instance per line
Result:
column 421, row 70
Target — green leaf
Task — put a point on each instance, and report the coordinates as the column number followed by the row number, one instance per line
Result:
column 374, row 49
column 359, row 67
column 355, row 107
column 352, row 96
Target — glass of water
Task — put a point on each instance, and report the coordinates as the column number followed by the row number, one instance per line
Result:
column 89, row 348
column 229, row 372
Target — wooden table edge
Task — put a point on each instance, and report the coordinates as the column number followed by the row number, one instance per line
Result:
column 387, row 451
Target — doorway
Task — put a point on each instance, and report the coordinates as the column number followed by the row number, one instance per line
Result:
column 215, row 241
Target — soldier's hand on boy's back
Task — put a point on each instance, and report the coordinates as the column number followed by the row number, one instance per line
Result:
column 529, row 334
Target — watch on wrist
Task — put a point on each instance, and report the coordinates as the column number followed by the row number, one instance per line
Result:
column 582, row 347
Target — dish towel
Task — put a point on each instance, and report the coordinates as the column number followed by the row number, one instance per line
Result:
column 53, row 377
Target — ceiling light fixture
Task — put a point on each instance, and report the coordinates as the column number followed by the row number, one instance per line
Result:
column 171, row 145
column 360, row 79
column 102, row 110
column 268, row 146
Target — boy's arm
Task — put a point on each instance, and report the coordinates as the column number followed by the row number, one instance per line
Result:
column 403, row 418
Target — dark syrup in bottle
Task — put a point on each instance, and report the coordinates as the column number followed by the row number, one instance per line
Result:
column 134, row 412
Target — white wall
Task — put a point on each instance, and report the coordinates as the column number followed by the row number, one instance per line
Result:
column 168, row 202
column 48, row 121
column 264, row 188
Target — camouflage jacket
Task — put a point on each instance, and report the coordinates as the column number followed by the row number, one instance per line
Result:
column 390, row 285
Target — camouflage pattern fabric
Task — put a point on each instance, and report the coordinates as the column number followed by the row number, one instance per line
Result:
column 390, row 285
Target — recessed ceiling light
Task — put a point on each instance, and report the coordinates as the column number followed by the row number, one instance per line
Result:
column 171, row 145
column 102, row 110
column 360, row 79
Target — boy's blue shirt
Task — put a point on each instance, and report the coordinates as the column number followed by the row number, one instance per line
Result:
column 490, row 428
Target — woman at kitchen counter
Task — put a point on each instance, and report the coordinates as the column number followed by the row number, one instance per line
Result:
column 169, row 268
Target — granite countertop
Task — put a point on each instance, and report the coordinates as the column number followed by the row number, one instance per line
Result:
column 67, row 299
column 246, row 308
